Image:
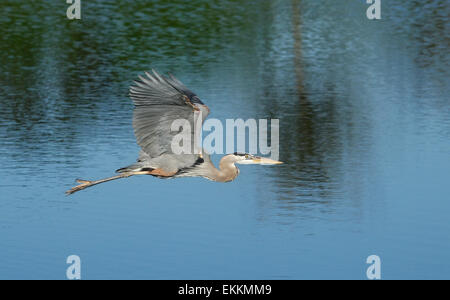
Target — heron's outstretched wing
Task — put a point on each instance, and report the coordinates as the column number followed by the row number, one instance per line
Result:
column 159, row 101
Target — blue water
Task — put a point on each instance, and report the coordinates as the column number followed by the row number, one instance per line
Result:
column 365, row 127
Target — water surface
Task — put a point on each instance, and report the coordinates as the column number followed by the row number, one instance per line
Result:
column 365, row 126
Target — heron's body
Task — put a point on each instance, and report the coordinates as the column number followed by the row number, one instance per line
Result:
column 227, row 170
column 159, row 101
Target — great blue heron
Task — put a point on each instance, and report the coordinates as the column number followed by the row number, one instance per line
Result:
column 159, row 101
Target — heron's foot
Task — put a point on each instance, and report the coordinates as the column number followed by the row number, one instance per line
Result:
column 82, row 185
column 82, row 181
column 87, row 183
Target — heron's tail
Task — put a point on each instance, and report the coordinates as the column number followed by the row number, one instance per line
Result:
column 121, row 170
column 130, row 168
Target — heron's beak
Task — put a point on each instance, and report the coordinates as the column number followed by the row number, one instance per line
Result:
column 256, row 160
column 265, row 161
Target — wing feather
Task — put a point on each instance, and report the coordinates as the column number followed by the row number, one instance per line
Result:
column 159, row 101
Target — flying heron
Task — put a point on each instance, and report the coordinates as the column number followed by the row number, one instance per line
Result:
column 159, row 101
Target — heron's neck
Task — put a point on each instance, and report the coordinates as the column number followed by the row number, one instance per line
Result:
column 227, row 170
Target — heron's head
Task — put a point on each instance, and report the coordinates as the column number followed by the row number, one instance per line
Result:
column 248, row 159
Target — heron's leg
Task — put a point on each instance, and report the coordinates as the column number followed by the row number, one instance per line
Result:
column 88, row 183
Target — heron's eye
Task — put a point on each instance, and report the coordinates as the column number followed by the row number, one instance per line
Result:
column 246, row 155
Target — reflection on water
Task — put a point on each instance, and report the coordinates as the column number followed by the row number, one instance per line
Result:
column 364, row 118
